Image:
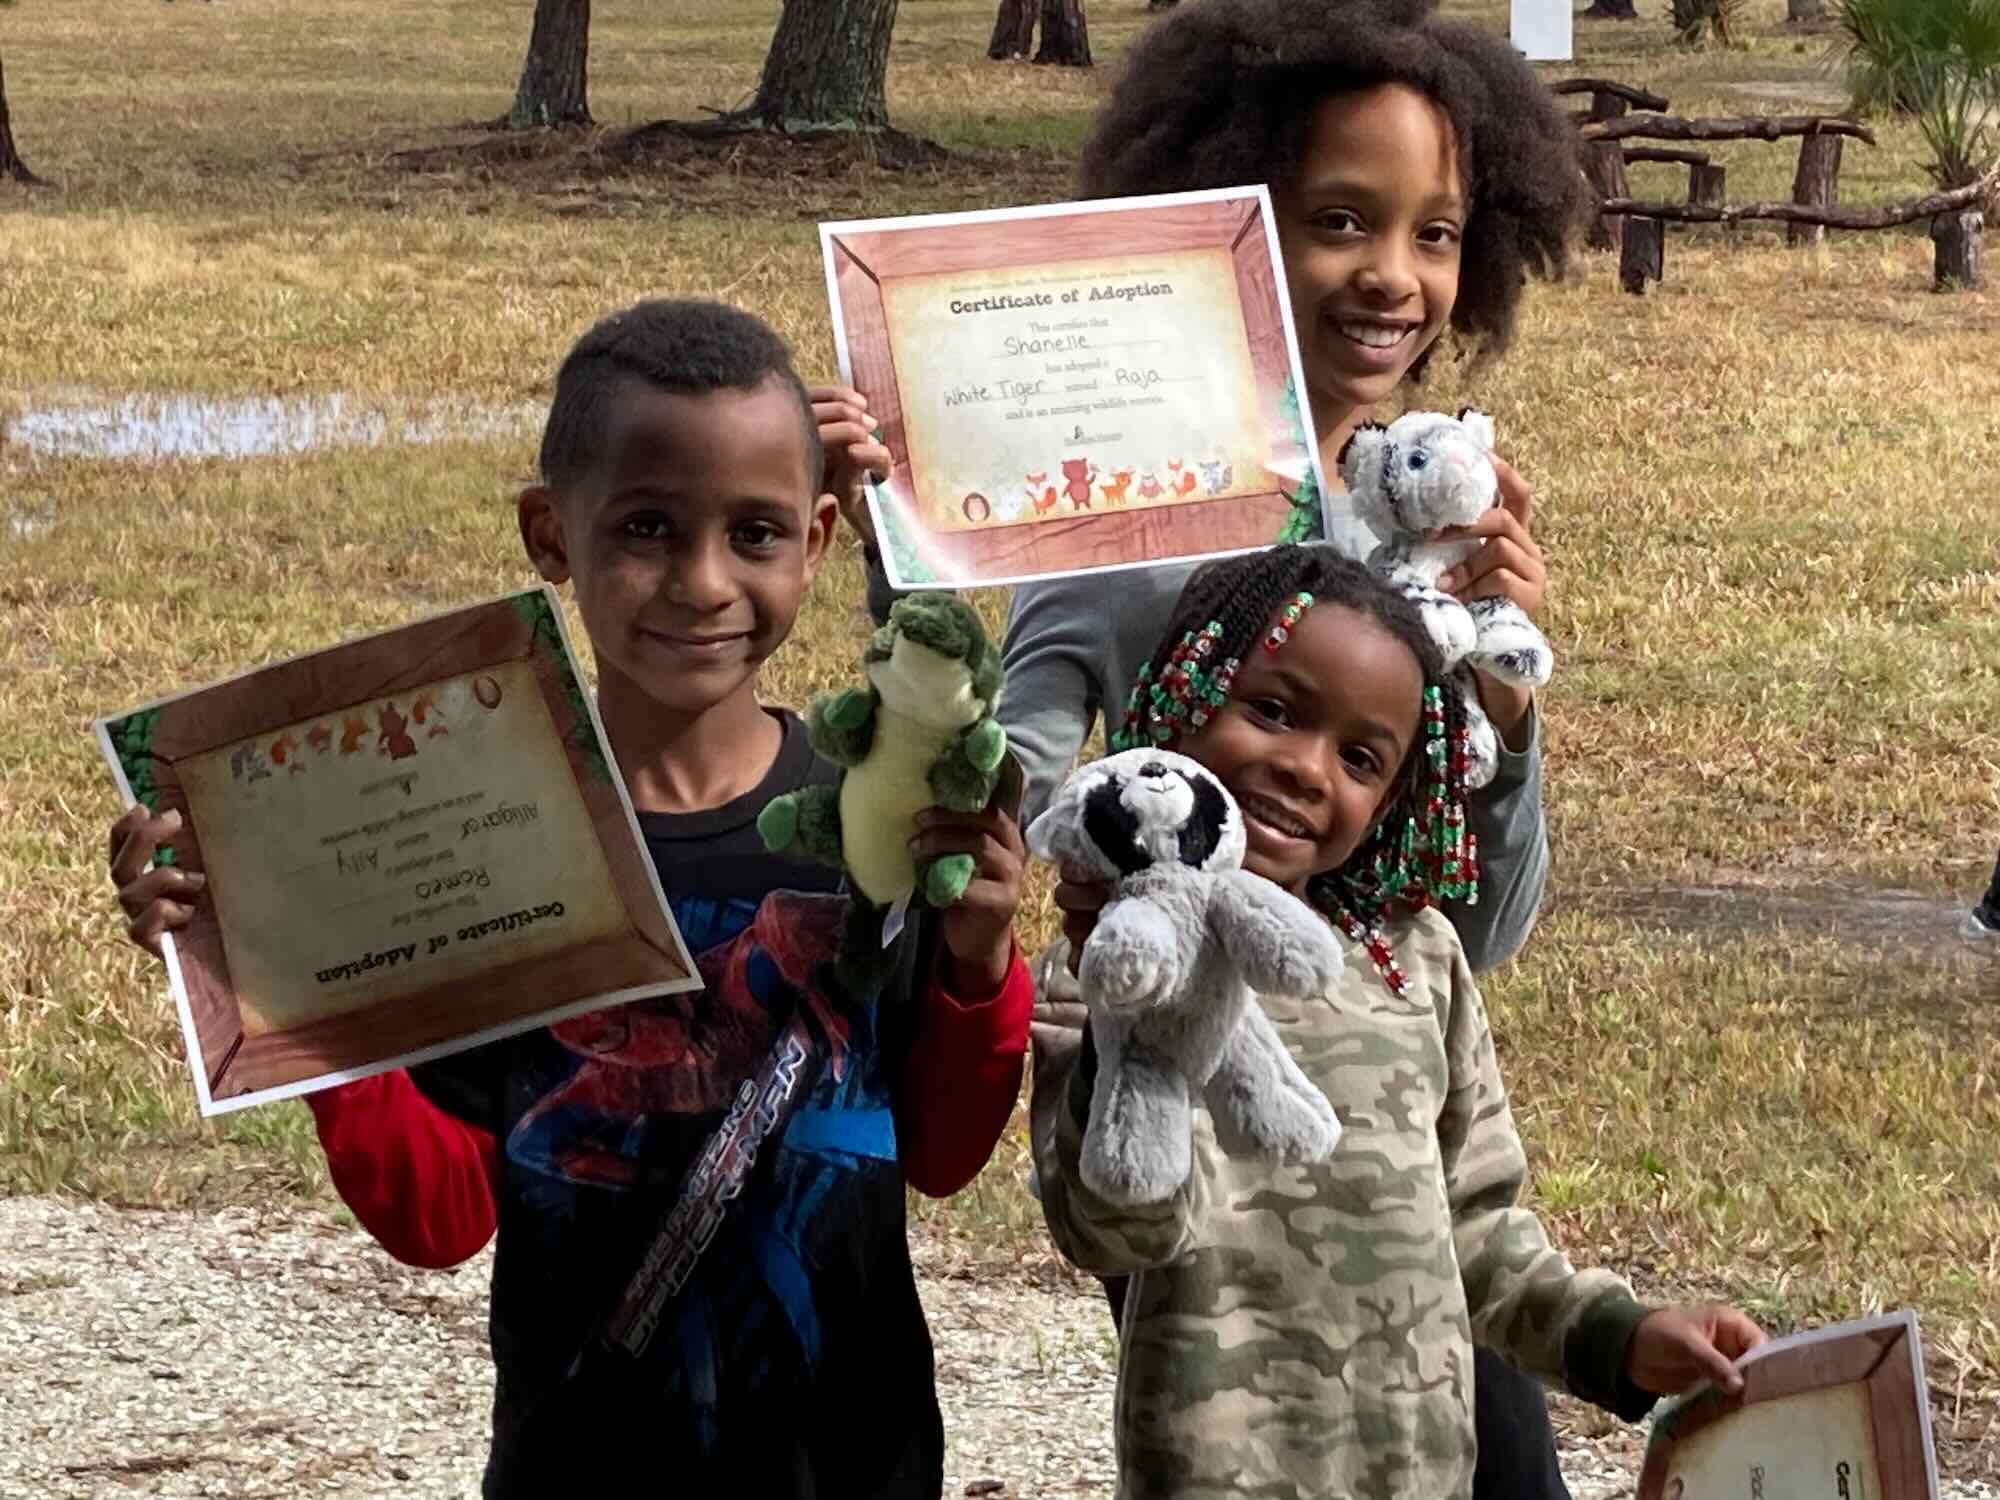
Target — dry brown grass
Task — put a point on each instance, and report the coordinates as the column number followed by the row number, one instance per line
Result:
column 1769, row 488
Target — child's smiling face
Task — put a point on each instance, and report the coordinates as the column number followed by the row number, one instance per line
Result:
column 1314, row 740
column 1370, row 224
column 691, row 539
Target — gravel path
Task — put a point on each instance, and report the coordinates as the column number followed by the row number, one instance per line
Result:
column 262, row 1354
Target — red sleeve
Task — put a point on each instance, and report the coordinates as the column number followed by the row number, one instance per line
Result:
column 961, row 1081
column 419, row 1180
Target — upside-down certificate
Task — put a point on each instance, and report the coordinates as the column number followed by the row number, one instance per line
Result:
column 1076, row 387
column 413, row 843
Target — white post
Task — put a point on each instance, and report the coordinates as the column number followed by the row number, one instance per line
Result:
column 1541, row 29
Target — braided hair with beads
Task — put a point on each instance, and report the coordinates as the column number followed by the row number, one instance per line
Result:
column 1421, row 851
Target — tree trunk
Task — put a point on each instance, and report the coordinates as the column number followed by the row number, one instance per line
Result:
column 1065, row 34
column 1013, row 29
column 1693, row 18
column 1958, row 241
column 1611, row 10
column 1817, row 183
column 826, row 67
column 1604, row 165
column 1643, row 255
column 11, row 164
column 552, row 90
column 1988, row 910
column 1804, row 10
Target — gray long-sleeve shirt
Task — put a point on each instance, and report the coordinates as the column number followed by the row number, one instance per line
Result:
column 1073, row 645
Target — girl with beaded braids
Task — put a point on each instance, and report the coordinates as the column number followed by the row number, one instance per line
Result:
column 1308, row 1329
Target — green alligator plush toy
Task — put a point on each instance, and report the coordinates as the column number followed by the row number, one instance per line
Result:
column 920, row 734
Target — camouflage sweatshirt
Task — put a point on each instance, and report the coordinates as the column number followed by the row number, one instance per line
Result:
column 1305, row 1330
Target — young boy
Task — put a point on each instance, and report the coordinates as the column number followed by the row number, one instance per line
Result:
column 666, row 1320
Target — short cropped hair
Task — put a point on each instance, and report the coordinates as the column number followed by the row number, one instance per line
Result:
column 1220, row 93
column 687, row 347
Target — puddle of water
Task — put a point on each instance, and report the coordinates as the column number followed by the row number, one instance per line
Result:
column 1865, row 916
column 151, row 428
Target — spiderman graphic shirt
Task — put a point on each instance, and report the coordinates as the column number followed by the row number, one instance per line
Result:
column 792, row 1360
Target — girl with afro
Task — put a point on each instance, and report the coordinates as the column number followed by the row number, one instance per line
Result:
column 1420, row 174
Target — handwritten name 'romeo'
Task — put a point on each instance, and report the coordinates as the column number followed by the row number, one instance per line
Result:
column 506, row 815
column 427, row 890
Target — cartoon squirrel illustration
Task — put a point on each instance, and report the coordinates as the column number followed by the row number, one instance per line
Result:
column 353, row 730
column 1114, row 493
column 1149, row 487
column 1182, row 482
column 285, row 752
column 320, row 738
column 1081, row 475
column 1041, row 493
column 1218, row 476
column 425, row 711
column 395, row 743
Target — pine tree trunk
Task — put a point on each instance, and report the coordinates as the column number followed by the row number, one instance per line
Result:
column 1611, row 10
column 553, row 89
column 1013, row 29
column 1693, row 18
column 1959, row 242
column 827, row 66
column 1065, row 34
column 1989, row 907
column 1804, row 10
column 11, row 164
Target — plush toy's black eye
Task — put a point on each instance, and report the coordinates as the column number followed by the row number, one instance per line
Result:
column 1418, row 460
column 1154, row 769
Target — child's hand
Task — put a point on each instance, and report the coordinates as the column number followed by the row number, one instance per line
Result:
column 847, row 433
column 1080, row 897
column 979, row 926
column 155, row 901
column 1678, row 1346
column 1510, row 565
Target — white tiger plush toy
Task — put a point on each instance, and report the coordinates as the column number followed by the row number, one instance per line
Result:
column 1168, row 974
column 1423, row 471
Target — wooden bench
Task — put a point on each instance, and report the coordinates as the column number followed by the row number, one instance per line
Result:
column 1815, row 185
column 1705, row 178
column 1608, row 100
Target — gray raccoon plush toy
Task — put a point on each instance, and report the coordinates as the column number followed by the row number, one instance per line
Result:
column 1169, row 974
column 1423, row 471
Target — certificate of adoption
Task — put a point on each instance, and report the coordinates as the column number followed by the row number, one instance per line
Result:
column 414, row 843
column 1077, row 387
